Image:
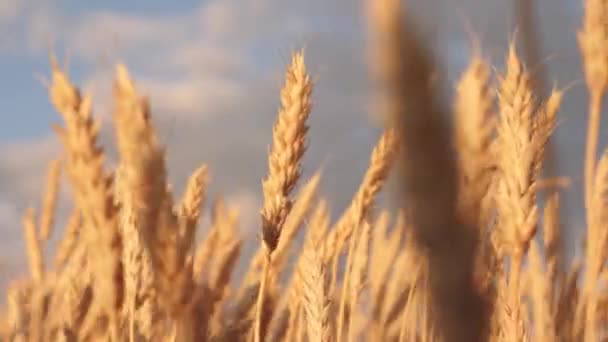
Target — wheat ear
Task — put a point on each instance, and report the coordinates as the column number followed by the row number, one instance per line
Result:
column 593, row 39
column 143, row 163
column 428, row 174
column 92, row 189
column 288, row 146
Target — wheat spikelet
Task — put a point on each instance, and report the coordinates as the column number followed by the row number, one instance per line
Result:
column 540, row 292
column 74, row 293
column 298, row 213
column 189, row 211
column 385, row 249
column 293, row 223
column 49, row 201
column 344, row 311
column 139, row 276
column 17, row 298
column 203, row 253
column 69, row 240
column 544, row 125
column 34, row 249
column 315, row 299
column 317, row 228
column 552, row 238
column 358, row 274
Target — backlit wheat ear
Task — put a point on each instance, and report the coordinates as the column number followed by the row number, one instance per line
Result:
column 539, row 290
column 596, row 255
column 552, row 238
column 143, row 163
column 288, row 146
column 140, row 294
column 475, row 130
column 593, row 39
column 189, row 211
column 304, row 201
column 593, row 42
column 516, row 195
column 70, row 239
column 92, row 189
column 429, row 188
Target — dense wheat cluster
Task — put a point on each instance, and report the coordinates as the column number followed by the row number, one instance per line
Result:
column 473, row 254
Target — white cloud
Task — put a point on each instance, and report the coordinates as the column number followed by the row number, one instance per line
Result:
column 248, row 206
column 201, row 97
column 9, row 9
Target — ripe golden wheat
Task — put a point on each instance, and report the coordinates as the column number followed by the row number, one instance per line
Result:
column 471, row 255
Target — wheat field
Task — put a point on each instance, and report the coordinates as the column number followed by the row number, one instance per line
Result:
column 473, row 253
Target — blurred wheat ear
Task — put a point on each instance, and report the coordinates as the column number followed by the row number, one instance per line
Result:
column 404, row 69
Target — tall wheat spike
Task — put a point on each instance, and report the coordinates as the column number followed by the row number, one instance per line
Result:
column 523, row 132
column 592, row 40
column 142, row 160
column 92, row 190
column 288, row 147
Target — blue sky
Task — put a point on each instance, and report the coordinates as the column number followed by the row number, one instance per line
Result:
column 23, row 95
column 213, row 70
